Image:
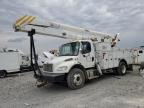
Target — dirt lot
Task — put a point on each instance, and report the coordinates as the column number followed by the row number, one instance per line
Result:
column 109, row 91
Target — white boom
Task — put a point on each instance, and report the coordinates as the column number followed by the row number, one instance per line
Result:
column 26, row 23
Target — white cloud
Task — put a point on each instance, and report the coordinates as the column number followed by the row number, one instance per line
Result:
column 103, row 11
column 111, row 16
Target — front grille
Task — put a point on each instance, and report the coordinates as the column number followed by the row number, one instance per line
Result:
column 47, row 67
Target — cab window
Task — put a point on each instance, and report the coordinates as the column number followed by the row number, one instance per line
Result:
column 86, row 47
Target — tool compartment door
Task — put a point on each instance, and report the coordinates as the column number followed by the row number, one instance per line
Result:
column 140, row 56
column 102, row 58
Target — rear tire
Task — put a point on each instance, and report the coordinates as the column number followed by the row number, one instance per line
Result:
column 121, row 70
column 3, row 73
column 75, row 79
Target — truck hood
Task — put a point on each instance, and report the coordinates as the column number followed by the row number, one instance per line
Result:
column 60, row 59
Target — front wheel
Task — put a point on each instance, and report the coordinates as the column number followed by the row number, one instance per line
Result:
column 3, row 73
column 75, row 79
column 122, row 68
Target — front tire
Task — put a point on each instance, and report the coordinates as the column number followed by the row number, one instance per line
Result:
column 75, row 79
column 3, row 73
column 122, row 68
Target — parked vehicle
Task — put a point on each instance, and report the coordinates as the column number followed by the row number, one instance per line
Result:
column 90, row 55
column 13, row 61
column 9, row 63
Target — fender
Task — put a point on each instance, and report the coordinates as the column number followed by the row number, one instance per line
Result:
column 123, row 60
column 79, row 66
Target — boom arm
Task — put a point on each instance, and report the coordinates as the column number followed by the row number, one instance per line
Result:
column 26, row 23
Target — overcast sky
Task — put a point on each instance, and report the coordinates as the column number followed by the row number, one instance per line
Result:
column 111, row 16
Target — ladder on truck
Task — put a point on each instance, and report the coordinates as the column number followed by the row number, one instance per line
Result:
column 31, row 25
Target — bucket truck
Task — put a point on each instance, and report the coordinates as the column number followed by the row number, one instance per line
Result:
column 89, row 55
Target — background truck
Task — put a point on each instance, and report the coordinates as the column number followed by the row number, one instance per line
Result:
column 9, row 62
column 12, row 61
column 90, row 54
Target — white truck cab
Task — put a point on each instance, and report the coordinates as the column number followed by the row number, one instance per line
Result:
column 75, row 53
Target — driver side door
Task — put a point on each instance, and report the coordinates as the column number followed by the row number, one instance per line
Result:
column 86, row 56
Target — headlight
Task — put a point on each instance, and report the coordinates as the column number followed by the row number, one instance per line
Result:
column 63, row 68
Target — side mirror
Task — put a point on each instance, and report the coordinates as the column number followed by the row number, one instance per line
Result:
column 82, row 51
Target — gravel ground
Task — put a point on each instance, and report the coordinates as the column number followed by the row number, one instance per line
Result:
column 109, row 91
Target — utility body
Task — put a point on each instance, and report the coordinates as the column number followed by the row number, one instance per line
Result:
column 89, row 55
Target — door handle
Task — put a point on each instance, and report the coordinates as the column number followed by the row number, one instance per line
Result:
column 84, row 55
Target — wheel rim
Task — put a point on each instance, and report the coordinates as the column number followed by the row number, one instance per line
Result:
column 77, row 79
column 123, row 68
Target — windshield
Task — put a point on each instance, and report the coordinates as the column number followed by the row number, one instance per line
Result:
column 69, row 49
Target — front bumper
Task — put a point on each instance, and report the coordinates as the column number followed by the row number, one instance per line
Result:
column 51, row 77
